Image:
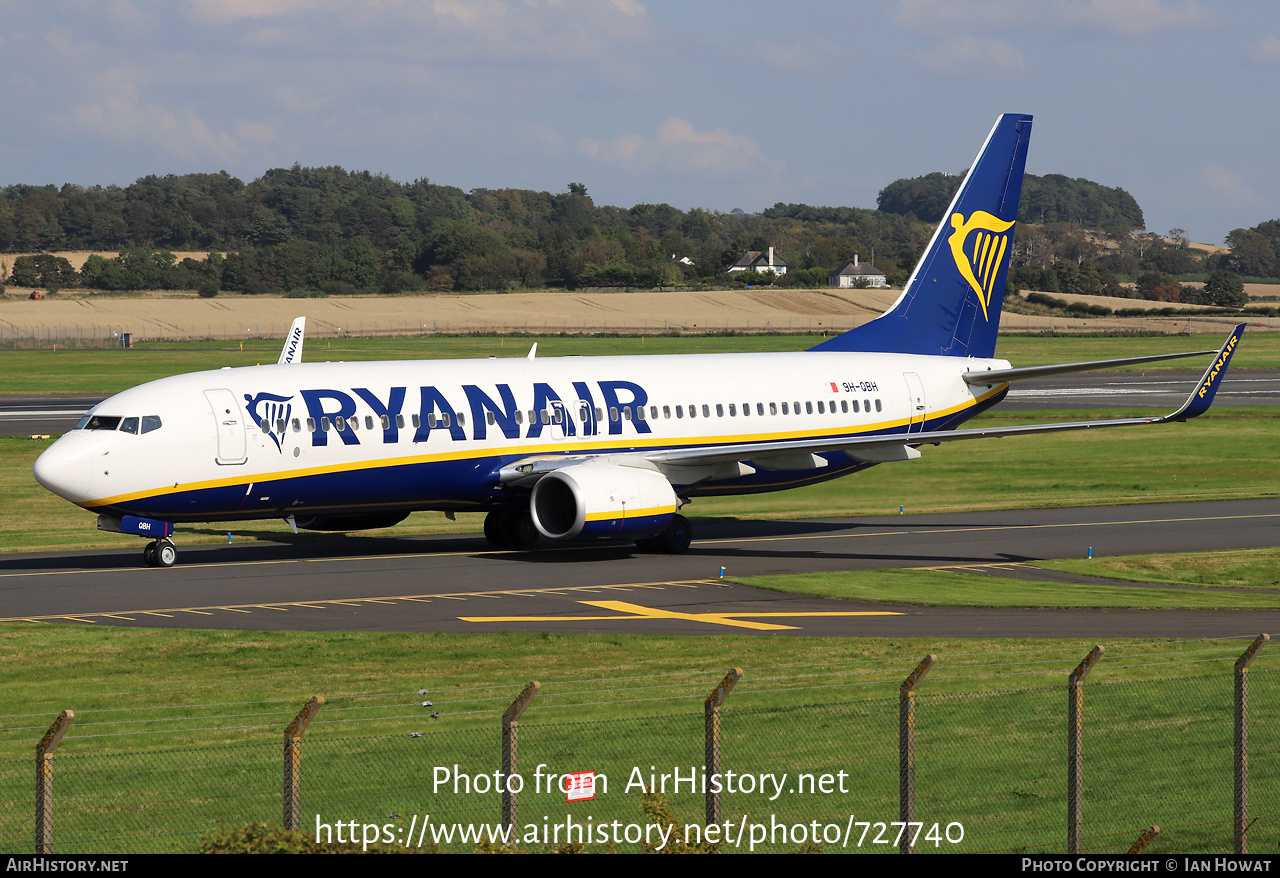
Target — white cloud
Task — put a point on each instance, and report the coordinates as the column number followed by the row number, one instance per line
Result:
column 115, row 109
column 1229, row 188
column 1111, row 16
column 1265, row 50
column 680, row 148
column 975, row 57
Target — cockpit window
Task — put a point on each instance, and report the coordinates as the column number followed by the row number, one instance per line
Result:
column 98, row 422
column 150, row 422
column 129, row 425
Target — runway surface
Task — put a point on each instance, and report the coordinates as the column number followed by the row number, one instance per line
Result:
column 54, row 415
column 459, row 584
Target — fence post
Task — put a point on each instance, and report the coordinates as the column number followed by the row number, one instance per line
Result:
column 907, row 750
column 1242, row 743
column 44, row 780
column 1075, row 752
column 511, row 758
column 711, row 738
column 293, row 762
column 1143, row 840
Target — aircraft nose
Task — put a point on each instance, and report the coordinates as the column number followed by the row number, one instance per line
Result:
column 66, row 467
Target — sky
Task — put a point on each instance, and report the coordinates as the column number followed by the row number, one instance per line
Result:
column 712, row 104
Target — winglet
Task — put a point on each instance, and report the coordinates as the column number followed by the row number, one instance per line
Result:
column 533, row 351
column 292, row 352
column 1202, row 397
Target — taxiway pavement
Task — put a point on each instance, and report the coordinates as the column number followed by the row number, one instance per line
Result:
column 460, row 584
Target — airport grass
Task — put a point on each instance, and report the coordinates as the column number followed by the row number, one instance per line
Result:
column 1236, row 568
column 31, row 372
column 942, row 588
column 1228, row 454
column 178, row 732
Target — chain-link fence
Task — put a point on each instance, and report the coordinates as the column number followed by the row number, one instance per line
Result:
column 823, row 757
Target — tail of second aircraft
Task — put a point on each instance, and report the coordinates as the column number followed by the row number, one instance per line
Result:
column 951, row 303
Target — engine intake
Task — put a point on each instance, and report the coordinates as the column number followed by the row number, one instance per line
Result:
column 602, row 500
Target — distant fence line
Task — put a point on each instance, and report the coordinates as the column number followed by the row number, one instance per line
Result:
column 1159, row 764
column 89, row 336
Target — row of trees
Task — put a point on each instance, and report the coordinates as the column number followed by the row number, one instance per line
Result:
column 327, row 229
column 1052, row 198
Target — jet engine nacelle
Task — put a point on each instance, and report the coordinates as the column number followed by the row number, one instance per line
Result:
column 599, row 500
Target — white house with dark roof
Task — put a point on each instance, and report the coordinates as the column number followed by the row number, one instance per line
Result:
column 758, row 261
column 857, row 274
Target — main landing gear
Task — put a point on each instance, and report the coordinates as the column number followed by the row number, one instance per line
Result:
column 508, row 529
column 674, row 540
column 160, row 553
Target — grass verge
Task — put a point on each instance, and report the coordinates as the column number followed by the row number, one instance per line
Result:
column 937, row 588
column 1236, row 568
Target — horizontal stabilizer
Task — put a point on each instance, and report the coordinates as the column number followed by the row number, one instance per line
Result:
column 996, row 376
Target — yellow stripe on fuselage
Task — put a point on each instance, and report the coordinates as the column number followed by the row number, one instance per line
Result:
column 631, row 443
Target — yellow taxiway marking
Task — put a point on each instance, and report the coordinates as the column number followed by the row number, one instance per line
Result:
column 925, row 531
column 639, row 613
column 285, row 606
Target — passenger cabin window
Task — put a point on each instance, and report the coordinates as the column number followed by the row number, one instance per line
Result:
column 706, row 411
column 877, row 405
column 489, row 418
column 719, row 410
column 324, row 424
column 679, row 411
column 808, row 408
column 760, row 408
column 311, row 425
column 297, row 425
column 773, row 408
column 613, row 413
column 653, row 412
column 400, row 421
column 386, row 422
column 784, row 409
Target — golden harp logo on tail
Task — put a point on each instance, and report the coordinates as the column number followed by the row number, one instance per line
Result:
column 978, row 246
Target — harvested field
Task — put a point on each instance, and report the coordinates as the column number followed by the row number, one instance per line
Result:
column 87, row 318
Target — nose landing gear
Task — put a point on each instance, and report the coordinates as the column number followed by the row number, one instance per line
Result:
column 160, row 553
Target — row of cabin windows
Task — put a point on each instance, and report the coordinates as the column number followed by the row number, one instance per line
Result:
column 548, row 416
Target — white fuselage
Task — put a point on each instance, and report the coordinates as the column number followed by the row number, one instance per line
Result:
column 355, row 438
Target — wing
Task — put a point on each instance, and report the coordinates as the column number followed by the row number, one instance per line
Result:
column 882, row 447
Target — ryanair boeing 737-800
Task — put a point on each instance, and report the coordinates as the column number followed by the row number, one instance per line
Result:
column 576, row 447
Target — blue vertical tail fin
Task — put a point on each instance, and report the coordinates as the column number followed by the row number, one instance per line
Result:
column 950, row 306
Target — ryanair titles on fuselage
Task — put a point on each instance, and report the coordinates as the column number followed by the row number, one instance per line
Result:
column 575, row 415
